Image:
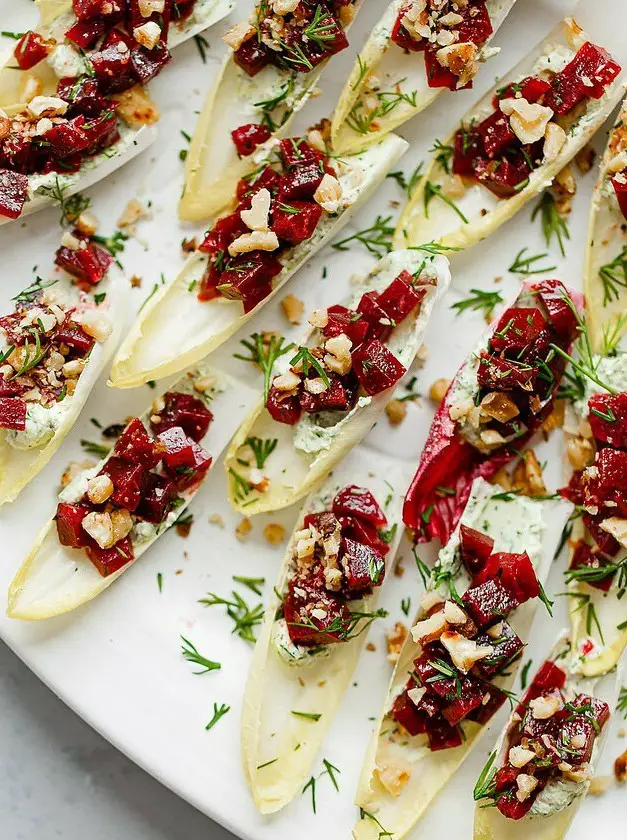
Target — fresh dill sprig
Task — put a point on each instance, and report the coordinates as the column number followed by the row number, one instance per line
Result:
column 254, row 584
column 71, row 206
column 485, row 787
column 264, row 354
column 191, row 654
column 306, row 358
column 614, row 277
column 262, row 449
column 479, row 301
column 376, row 239
column 443, row 155
column 621, row 706
column 218, row 712
column 95, row 448
column 435, row 191
column 553, row 225
column 529, row 265
column 29, row 294
column 245, row 618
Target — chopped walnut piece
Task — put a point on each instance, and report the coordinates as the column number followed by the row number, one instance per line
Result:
column 555, row 420
column 458, row 58
column 329, row 194
column 370, row 646
column 293, row 309
column 99, row 488
column 122, row 524
column 136, row 108
column 396, row 411
column 237, row 34
column 395, row 640
column 393, row 778
column 438, row 389
column 132, row 213
column 100, row 528
column 148, row 34
column 585, row 158
column 135, row 281
column 503, row 478
column 620, row 767
column 580, row 452
column 274, row 533
column 257, row 240
column 528, row 475
column 183, row 528
column 599, row 785
column 87, row 223
column 243, row 529
column 216, row 519
column 563, row 189
column 188, row 246
column 499, row 406
column 528, row 120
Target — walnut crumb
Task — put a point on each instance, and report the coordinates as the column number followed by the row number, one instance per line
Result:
column 620, row 768
column 135, row 281
column 216, row 519
column 274, row 533
column 293, row 309
column 395, row 639
column 396, row 411
column 188, row 246
column 399, row 567
column 438, row 389
column 370, row 646
column 599, row 785
column 183, row 528
column 133, row 212
column 585, row 159
column 243, row 529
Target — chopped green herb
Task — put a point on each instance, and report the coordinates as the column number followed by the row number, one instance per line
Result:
column 191, row 654
column 218, row 712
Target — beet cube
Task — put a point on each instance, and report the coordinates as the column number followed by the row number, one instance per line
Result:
column 468, row 146
column 502, row 177
column 88, row 9
column 339, row 396
column 585, row 557
column 411, row 718
column 531, row 89
column 247, row 137
column 136, row 445
column 343, row 320
column 506, row 648
column 12, row 413
column 31, row 49
column 377, row 318
column 619, row 183
column 360, row 503
column 69, row 519
column 102, row 132
column 252, row 56
column 363, row 566
column 185, row 478
column 400, row 298
column 612, row 474
column 441, row 735
column 488, row 602
column 283, row 409
column 267, row 178
column 147, row 64
column 110, row 560
column 518, row 328
column 606, row 542
column 297, row 221
column 593, row 708
column 363, row 532
column 488, row 708
column 580, row 725
column 376, row 367
column 296, row 151
column 496, row 134
column 224, row 231
column 302, row 180
column 608, row 418
column 475, row 548
column 401, row 36
column 13, row 193
column 178, row 448
column 548, row 677
column 586, row 76
column 500, row 374
column 208, row 288
column 554, row 296
column 439, row 76
column 83, row 96
column 250, row 278
column 184, row 410
column 85, row 33
column 158, row 494
column 306, row 629
column 74, row 336
column 89, row 264
column 128, row 482
column 514, row 571
column 534, row 727
column 471, row 694
column 112, row 64
column 511, row 807
column 67, row 138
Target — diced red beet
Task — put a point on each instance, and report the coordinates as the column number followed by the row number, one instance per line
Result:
column 67, row 138
column 475, row 548
column 147, row 63
column 517, row 328
column 85, row 33
column 532, row 89
column 507, row 647
column 359, row 502
column 89, row 264
column 296, row 151
column 74, row 336
column 476, row 25
column 363, row 566
column 89, row 9
column 13, row 193
column 317, row 51
column 585, row 557
column 224, row 231
column 471, row 697
column 267, row 178
column 468, row 146
column 297, row 221
column 619, row 182
column 301, row 181
column 488, row 602
column 400, row 298
column 611, row 475
column 442, row 736
column 250, row 278
column 12, row 413
column 376, row 367
column 378, row 320
column 135, row 17
column 534, row 727
column 208, row 288
column 112, row 63
column 178, row 448
column 502, row 177
column 586, row 76
column 157, row 496
column 110, row 560
column 606, row 542
column 69, row 520
column 608, row 418
column 363, row 532
column 186, row 411
column 17, row 152
column 128, row 482
column 283, row 409
column 405, row 712
column 549, row 677
column 185, row 478
column 305, row 629
column 514, row 571
column 83, row 96
column 343, row 320
column 501, row 374
column 511, row 807
column 252, row 56
column 13, row 387
column 247, row 137
column 102, row 131
column 506, row 776
column 559, row 305
column 31, row 49
column 496, row 134
column 439, row 76
column 593, row 708
column 136, row 446
column 488, row 708
column 339, row 396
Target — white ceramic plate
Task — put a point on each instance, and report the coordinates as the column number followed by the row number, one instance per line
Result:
column 118, row 662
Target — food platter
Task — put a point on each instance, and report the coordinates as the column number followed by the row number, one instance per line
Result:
column 118, row 662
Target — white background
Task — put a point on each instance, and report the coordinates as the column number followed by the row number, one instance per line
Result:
column 118, row 661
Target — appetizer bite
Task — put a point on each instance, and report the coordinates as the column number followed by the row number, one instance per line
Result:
column 315, row 624
column 109, row 515
column 53, row 347
column 75, row 108
column 419, row 49
column 498, row 399
column 605, row 273
column 596, row 449
column 512, row 144
column 325, row 396
column 297, row 199
column 275, row 61
column 461, row 656
column 536, row 779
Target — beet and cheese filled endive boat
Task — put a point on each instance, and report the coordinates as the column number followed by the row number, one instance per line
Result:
column 73, row 103
column 295, row 202
column 417, row 50
column 596, row 459
column 53, row 347
column 605, row 274
column 514, row 141
column 315, row 624
column 109, row 515
column 461, row 656
column 498, row 399
column 325, row 396
column 535, row 781
column 274, row 63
